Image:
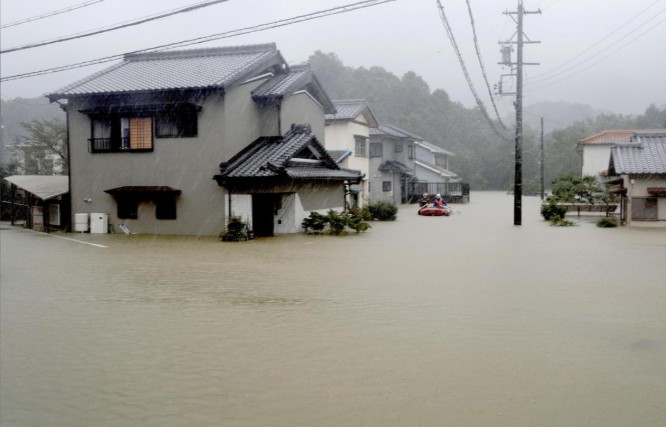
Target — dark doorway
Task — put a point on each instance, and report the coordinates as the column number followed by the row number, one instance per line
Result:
column 264, row 209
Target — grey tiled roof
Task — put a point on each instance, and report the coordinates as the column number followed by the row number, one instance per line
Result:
column 646, row 154
column 394, row 131
column 350, row 109
column 433, row 148
column 299, row 77
column 275, row 156
column 395, row 167
column 435, row 168
column 185, row 69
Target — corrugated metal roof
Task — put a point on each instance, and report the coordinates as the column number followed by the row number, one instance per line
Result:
column 42, row 186
column 645, row 155
column 185, row 69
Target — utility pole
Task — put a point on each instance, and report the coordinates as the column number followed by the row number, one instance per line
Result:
column 520, row 41
column 543, row 159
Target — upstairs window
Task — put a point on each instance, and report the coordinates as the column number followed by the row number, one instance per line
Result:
column 410, row 151
column 398, row 148
column 360, row 146
column 131, row 127
column 376, row 149
column 117, row 134
column 176, row 124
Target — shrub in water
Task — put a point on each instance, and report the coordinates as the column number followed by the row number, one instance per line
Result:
column 315, row 223
column 561, row 222
column 607, row 223
column 552, row 211
column 383, row 211
column 336, row 223
column 237, row 230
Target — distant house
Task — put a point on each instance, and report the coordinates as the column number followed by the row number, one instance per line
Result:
column 392, row 165
column 148, row 135
column 432, row 163
column 347, row 140
column 639, row 169
column 595, row 150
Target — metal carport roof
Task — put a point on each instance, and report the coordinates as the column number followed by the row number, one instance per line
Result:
column 42, row 186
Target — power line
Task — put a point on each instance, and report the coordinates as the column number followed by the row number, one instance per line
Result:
column 541, row 77
column 602, row 59
column 483, row 69
column 116, row 27
column 49, row 14
column 228, row 34
column 479, row 103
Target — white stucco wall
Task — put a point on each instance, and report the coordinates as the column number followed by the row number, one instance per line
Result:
column 340, row 135
column 595, row 159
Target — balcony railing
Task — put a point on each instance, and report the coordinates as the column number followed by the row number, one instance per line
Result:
column 115, row 145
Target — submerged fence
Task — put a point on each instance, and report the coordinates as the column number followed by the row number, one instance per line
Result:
column 452, row 192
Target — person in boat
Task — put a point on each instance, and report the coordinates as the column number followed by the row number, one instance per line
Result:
column 439, row 202
column 424, row 201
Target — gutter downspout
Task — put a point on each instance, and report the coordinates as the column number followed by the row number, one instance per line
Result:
column 278, row 106
column 68, row 226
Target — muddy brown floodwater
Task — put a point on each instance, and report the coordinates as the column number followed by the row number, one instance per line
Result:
column 429, row 321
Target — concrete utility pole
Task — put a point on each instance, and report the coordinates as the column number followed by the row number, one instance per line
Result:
column 518, row 180
column 543, row 159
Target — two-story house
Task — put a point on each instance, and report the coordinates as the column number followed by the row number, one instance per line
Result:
column 150, row 138
column 392, row 163
column 347, row 136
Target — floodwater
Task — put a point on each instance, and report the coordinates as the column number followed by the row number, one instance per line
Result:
column 426, row 321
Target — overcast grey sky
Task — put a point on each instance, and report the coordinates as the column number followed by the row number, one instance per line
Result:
column 608, row 54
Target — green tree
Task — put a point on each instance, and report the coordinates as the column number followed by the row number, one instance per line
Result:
column 43, row 148
column 571, row 189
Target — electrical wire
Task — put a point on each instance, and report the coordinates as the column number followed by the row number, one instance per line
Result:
column 483, row 69
column 602, row 59
column 263, row 27
column 49, row 14
column 479, row 103
column 126, row 24
column 541, row 77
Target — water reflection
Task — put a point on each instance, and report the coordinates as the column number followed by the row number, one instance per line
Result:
column 465, row 320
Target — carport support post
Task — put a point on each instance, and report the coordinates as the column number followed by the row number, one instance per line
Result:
column 13, row 204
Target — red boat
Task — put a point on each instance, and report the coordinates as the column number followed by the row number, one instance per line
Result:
column 434, row 211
